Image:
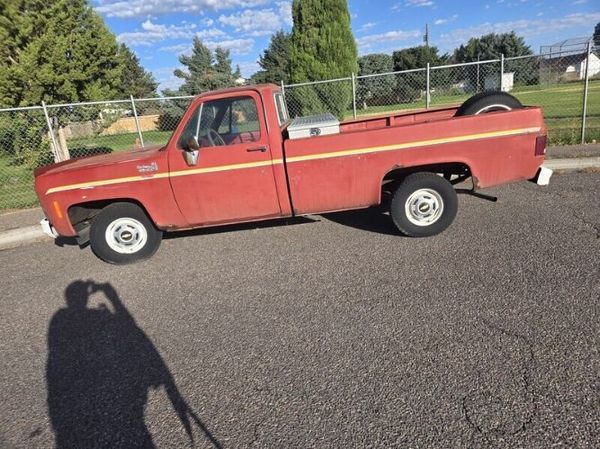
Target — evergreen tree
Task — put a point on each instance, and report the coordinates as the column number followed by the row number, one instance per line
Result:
column 222, row 67
column 136, row 80
column 59, row 51
column 322, row 47
column 597, row 34
column 203, row 71
column 275, row 60
column 491, row 46
column 410, row 85
column 378, row 90
column 238, row 72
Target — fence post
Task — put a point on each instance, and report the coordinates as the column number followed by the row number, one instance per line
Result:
column 502, row 72
column 53, row 142
column 353, row 95
column 137, row 122
column 427, row 89
column 282, row 89
column 585, row 90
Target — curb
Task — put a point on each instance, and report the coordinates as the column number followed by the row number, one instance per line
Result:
column 21, row 236
column 14, row 238
column 566, row 165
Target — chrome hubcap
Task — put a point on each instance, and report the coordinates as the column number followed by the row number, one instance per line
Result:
column 424, row 207
column 126, row 235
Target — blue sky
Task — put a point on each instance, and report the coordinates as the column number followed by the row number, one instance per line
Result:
column 160, row 30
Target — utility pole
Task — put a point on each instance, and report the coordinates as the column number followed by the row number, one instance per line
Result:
column 426, row 37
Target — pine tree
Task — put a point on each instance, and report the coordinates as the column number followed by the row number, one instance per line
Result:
column 203, row 71
column 136, row 80
column 322, row 47
column 275, row 60
column 59, row 51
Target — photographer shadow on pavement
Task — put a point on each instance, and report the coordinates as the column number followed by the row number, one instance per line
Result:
column 100, row 369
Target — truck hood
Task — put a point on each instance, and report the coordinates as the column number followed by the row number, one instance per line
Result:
column 86, row 163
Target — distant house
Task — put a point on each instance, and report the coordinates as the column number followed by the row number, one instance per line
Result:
column 240, row 81
column 492, row 82
column 571, row 66
column 579, row 68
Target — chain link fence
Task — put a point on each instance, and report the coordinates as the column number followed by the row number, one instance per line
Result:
column 559, row 81
column 565, row 82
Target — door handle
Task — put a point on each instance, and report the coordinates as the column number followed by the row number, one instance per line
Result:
column 261, row 149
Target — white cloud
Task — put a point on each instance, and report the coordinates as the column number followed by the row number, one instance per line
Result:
column 177, row 48
column 236, row 46
column 579, row 2
column 419, row 3
column 253, row 23
column 366, row 26
column 285, row 12
column 446, row 20
column 366, row 42
column 523, row 27
column 153, row 32
column 248, row 68
column 144, row 8
column 259, row 22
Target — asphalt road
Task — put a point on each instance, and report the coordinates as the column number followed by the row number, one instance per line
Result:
column 329, row 332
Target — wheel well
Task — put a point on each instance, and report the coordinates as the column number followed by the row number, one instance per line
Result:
column 447, row 169
column 82, row 213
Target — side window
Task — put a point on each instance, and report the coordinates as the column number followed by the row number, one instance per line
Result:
column 244, row 116
column 230, row 118
column 282, row 113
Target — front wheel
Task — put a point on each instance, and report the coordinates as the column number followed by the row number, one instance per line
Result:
column 424, row 204
column 122, row 233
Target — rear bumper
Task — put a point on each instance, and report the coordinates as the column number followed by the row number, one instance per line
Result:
column 542, row 177
column 48, row 228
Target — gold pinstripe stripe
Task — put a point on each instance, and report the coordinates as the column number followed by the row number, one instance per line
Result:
column 308, row 157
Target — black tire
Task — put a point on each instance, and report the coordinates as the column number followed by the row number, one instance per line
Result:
column 132, row 236
column 436, row 193
column 488, row 102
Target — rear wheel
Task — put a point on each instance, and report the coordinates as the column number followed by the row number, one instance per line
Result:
column 122, row 233
column 488, row 102
column 424, row 204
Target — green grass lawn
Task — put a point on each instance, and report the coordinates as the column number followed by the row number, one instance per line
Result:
column 16, row 186
column 116, row 142
column 562, row 104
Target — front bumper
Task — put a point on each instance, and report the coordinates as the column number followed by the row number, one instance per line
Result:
column 48, row 228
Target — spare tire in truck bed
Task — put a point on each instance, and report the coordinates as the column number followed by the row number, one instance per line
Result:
column 488, row 102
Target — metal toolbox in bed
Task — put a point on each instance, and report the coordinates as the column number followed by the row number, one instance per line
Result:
column 313, row 125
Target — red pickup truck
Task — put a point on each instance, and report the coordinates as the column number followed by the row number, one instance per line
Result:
column 237, row 157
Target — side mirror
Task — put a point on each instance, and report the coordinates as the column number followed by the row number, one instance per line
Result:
column 192, row 151
column 192, row 143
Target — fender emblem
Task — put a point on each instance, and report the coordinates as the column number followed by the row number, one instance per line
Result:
column 147, row 168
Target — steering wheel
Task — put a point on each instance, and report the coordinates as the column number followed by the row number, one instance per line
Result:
column 215, row 138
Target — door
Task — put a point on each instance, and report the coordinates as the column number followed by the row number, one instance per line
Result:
column 233, row 179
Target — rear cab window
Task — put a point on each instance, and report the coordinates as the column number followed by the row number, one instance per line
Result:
column 282, row 112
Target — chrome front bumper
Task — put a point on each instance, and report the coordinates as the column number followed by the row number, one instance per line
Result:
column 48, row 228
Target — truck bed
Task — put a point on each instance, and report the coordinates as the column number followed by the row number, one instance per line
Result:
column 346, row 170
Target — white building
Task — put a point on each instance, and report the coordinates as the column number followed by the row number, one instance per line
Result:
column 579, row 68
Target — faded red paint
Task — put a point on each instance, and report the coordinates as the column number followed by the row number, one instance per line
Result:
column 318, row 185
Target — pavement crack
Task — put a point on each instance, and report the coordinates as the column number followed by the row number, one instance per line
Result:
column 594, row 226
column 470, row 401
